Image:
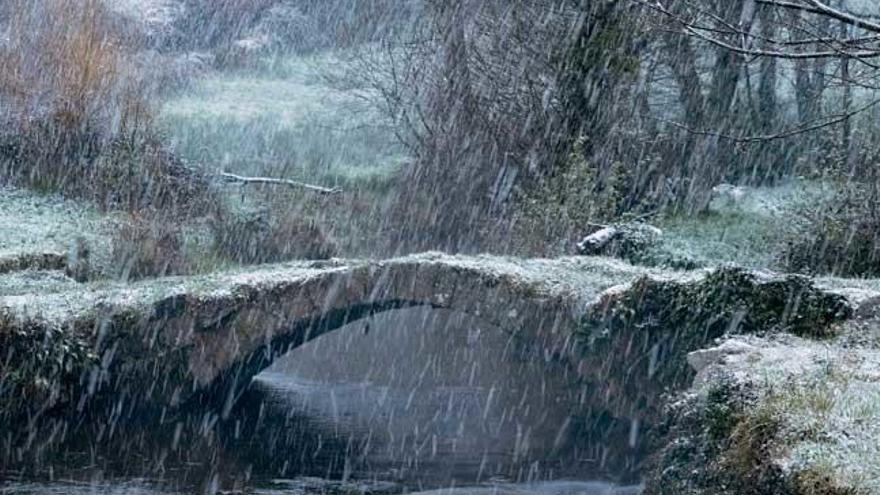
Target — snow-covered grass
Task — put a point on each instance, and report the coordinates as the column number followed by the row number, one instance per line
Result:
column 35, row 226
column 35, row 223
column 822, row 397
column 836, row 419
column 830, row 417
column 285, row 121
column 297, row 118
column 750, row 233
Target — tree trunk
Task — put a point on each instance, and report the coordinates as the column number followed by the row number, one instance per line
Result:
column 767, row 105
column 846, row 137
column 683, row 62
column 712, row 155
column 600, row 56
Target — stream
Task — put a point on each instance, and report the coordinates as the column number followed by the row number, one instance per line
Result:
column 414, row 400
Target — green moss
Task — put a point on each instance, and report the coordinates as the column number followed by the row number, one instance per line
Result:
column 794, row 437
column 819, row 481
column 721, row 412
column 727, row 300
column 43, row 367
column 718, row 443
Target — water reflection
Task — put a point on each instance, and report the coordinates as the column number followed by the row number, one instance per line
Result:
column 414, row 400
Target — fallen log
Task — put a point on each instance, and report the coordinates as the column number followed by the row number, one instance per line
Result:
column 595, row 243
column 280, row 182
column 623, row 240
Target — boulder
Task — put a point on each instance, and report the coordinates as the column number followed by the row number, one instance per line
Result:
column 727, row 197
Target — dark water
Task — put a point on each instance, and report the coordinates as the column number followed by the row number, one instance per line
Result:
column 415, row 400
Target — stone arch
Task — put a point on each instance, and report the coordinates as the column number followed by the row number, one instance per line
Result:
column 212, row 345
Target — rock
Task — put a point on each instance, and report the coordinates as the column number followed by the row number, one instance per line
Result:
column 702, row 359
column 638, row 340
column 727, row 196
column 251, row 45
column 637, row 242
column 776, row 414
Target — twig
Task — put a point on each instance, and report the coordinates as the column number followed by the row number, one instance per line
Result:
column 280, row 182
column 644, row 216
column 787, row 133
column 817, row 7
column 867, row 53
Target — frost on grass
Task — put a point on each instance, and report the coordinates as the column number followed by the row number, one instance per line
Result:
column 43, row 229
column 779, row 411
column 750, row 232
column 288, row 120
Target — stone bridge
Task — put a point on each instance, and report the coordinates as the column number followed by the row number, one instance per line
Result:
column 191, row 340
column 176, row 340
column 626, row 334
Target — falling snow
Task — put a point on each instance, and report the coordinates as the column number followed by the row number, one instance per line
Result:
column 543, row 247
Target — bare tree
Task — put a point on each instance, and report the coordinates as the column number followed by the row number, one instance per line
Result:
column 821, row 43
column 491, row 95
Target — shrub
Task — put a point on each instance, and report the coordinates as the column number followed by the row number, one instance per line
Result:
column 140, row 175
column 149, row 246
column 565, row 205
column 45, row 370
column 261, row 236
column 77, row 109
column 820, row 481
column 842, row 237
column 65, row 63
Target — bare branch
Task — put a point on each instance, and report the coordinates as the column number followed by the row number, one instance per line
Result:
column 820, row 8
column 279, row 182
column 788, row 55
column 801, row 129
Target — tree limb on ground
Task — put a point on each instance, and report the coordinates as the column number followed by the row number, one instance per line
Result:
column 280, row 182
column 596, row 242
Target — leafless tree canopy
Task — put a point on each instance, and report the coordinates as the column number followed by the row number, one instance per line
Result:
column 683, row 94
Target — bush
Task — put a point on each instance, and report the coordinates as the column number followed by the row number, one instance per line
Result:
column 565, row 205
column 77, row 109
column 65, row 62
column 840, row 238
column 143, row 174
column 260, row 236
column 147, row 247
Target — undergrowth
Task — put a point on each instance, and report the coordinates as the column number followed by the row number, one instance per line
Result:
column 839, row 237
column 78, row 112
